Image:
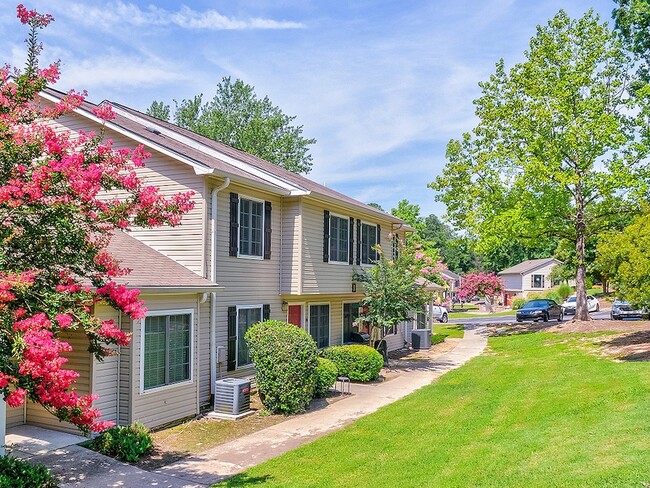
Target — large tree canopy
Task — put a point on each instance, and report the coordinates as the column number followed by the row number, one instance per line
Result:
column 560, row 146
column 237, row 117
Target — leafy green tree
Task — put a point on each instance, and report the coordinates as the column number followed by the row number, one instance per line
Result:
column 377, row 206
column 409, row 213
column 514, row 251
column 560, row 147
column 632, row 18
column 395, row 287
column 237, row 117
column 623, row 258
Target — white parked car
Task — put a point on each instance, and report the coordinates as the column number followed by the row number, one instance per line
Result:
column 569, row 306
column 440, row 313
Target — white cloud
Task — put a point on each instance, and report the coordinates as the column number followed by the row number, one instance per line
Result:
column 116, row 13
column 117, row 71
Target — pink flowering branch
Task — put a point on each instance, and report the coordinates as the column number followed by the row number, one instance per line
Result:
column 55, row 226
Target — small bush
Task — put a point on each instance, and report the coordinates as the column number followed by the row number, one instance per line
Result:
column 15, row 473
column 554, row 295
column 126, row 442
column 326, row 374
column 565, row 291
column 285, row 359
column 357, row 362
column 518, row 302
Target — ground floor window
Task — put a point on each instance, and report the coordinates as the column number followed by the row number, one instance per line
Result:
column 167, row 349
column 246, row 316
column 319, row 324
column 350, row 317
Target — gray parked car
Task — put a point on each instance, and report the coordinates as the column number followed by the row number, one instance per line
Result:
column 623, row 310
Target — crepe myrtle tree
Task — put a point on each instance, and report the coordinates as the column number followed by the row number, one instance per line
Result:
column 485, row 285
column 55, row 224
column 560, row 148
column 395, row 287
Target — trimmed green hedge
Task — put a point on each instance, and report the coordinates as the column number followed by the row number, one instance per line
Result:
column 16, row 473
column 126, row 442
column 326, row 374
column 285, row 359
column 357, row 362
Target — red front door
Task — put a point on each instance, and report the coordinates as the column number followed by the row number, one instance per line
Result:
column 294, row 315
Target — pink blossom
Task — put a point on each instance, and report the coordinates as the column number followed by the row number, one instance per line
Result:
column 16, row 398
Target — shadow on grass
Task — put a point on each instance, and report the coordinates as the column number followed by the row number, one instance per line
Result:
column 507, row 329
column 245, row 480
column 633, row 347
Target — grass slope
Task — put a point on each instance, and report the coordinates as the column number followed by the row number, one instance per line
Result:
column 537, row 411
column 441, row 332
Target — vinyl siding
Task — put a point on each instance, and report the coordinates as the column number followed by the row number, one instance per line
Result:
column 544, row 271
column 81, row 362
column 291, row 252
column 168, row 403
column 247, row 281
column 184, row 243
column 15, row 416
column 105, row 381
column 512, row 282
column 329, row 278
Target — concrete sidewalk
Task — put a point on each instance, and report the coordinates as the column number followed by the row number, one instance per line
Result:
column 234, row 457
column 80, row 467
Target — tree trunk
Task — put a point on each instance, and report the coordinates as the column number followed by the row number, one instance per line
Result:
column 582, row 312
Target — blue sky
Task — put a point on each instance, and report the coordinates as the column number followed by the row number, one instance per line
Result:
column 382, row 85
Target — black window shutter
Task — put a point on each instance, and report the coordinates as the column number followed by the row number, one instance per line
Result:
column 359, row 239
column 326, row 236
column 234, row 224
column 232, row 338
column 351, row 242
column 267, row 230
column 266, row 312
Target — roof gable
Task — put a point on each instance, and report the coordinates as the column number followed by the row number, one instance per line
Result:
column 530, row 265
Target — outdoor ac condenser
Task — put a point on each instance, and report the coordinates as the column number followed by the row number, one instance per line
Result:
column 232, row 396
column 421, row 338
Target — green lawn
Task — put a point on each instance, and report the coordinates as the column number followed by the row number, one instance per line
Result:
column 442, row 331
column 466, row 315
column 539, row 410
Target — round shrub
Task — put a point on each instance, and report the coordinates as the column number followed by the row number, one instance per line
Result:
column 357, row 362
column 518, row 302
column 16, row 473
column 126, row 442
column 554, row 295
column 285, row 359
column 326, row 374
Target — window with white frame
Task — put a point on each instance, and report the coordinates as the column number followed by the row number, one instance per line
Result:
column 246, row 316
column 339, row 239
column 251, row 227
column 167, row 349
column 537, row 281
column 368, row 241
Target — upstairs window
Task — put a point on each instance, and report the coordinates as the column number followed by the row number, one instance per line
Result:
column 339, row 239
column 250, row 227
column 369, row 235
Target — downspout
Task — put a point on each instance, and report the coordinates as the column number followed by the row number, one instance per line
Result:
column 197, row 345
column 213, row 278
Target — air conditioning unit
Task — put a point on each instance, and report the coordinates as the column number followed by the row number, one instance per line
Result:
column 421, row 338
column 232, row 396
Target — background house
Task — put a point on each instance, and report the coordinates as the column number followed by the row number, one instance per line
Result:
column 527, row 277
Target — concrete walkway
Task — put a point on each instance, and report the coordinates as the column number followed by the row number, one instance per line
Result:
column 80, row 467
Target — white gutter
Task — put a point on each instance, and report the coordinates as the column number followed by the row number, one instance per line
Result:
column 260, row 173
column 213, row 278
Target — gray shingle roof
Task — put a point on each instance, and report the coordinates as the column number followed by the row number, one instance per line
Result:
column 526, row 266
column 152, row 271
